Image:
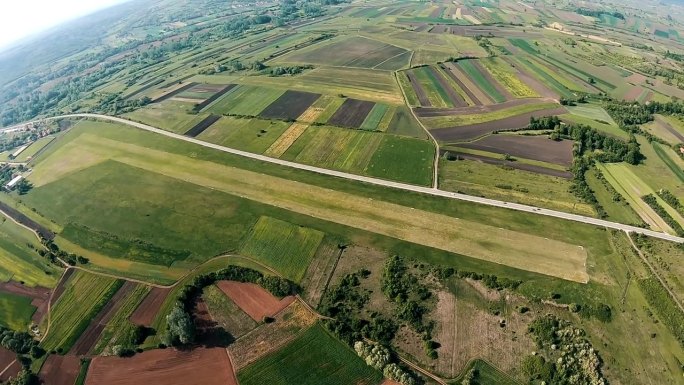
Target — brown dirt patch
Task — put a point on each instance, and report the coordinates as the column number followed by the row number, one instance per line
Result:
column 91, row 335
column 39, row 297
column 164, row 366
column 173, row 93
column 460, row 133
column 633, row 93
column 529, row 147
column 351, row 113
column 149, row 307
column 271, row 336
column 26, row 221
column 253, row 299
column 290, row 105
column 60, row 370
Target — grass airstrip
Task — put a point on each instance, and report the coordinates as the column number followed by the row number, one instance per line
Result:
column 81, row 173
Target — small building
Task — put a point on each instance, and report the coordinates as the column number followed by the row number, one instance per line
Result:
column 11, row 184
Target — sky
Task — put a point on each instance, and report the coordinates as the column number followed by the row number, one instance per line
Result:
column 22, row 18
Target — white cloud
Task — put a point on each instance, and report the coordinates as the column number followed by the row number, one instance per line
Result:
column 21, row 18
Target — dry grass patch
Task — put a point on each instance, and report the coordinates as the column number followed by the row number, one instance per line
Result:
column 280, row 146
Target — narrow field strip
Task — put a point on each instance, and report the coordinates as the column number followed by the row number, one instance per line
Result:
column 282, row 144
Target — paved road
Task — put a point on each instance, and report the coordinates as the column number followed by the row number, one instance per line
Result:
column 391, row 184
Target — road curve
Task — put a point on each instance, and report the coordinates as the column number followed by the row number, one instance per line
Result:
column 386, row 183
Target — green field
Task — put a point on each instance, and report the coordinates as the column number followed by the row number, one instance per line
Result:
column 502, row 72
column 617, row 211
column 33, row 149
column 314, row 358
column 246, row 100
column 168, row 115
column 404, row 159
column 664, row 155
column 118, row 327
column 84, row 296
column 479, row 79
column 506, row 183
column 19, row 262
column 285, row 247
column 374, row 117
column 437, row 95
column 247, row 134
column 552, row 79
column 16, row 311
column 181, row 173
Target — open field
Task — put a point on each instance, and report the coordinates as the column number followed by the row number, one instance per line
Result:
column 358, row 51
column 164, row 366
column 481, row 79
column 538, row 148
column 60, row 370
column 169, row 115
column 351, row 113
column 165, row 169
column 290, row 105
column 514, row 117
column 378, row 86
column 283, row 246
column 669, row 158
column 503, row 73
column 147, row 310
column 85, row 295
column 502, row 182
column 91, row 335
column 34, row 148
column 663, row 128
column 118, row 325
column 632, row 189
column 248, row 134
column 20, row 263
column 314, row 357
column 253, row 299
column 226, row 313
column 16, row 311
column 246, row 100
column 37, row 296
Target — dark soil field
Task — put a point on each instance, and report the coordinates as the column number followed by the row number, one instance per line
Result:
column 455, row 98
column 60, row 370
column 174, row 92
column 253, row 299
column 39, row 296
column 214, row 97
column 452, row 134
column 352, row 113
column 516, row 165
column 6, row 358
column 164, row 366
column 465, row 89
column 529, row 147
column 418, row 89
column 26, row 221
column 91, row 335
column 290, row 105
column 203, row 125
column 149, row 307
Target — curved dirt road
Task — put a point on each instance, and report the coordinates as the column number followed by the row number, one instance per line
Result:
column 387, row 183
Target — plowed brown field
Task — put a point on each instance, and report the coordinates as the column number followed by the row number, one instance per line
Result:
column 60, row 370
column 253, row 299
column 145, row 313
column 164, row 366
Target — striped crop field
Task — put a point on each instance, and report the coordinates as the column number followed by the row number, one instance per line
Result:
column 287, row 248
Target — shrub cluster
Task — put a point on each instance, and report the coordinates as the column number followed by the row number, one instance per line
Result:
column 380, row 358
